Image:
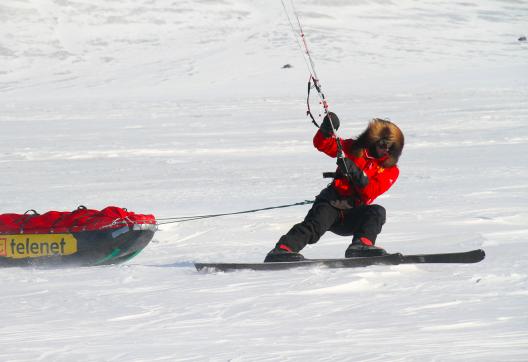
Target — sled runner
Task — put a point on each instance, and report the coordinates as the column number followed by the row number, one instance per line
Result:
column 82, row 237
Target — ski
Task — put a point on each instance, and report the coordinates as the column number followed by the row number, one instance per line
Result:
column 391, row 259
column 472, row 256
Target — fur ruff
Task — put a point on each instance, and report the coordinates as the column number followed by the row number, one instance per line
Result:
column 379, row 129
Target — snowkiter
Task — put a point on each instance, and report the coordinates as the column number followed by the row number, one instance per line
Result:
column 367, row 170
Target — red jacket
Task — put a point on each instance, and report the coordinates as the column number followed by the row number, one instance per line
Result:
column 380, row 179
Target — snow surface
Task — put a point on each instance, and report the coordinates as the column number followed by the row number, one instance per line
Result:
column 182, row 107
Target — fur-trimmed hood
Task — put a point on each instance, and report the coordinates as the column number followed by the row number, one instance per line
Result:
column 381, row 129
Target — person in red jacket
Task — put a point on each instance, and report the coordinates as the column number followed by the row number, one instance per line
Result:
column 367, row 170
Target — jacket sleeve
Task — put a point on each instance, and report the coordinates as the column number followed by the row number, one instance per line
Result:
column 378, row 184
column 329, row 145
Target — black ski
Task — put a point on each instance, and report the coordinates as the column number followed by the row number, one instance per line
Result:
column 473, row 256
column 391, row 259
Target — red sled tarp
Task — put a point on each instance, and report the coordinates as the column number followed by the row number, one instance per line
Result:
column 82, row 219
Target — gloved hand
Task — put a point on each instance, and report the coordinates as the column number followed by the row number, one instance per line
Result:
column 326, row 128
column 354, row 174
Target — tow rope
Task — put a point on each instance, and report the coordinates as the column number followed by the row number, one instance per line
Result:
column 172, row 220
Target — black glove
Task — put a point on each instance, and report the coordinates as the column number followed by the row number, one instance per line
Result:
column 354, row 174
column 326, row 128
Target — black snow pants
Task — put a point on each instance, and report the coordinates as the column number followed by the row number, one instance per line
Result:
column 362, row 221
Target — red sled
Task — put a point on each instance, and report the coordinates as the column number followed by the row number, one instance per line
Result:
column 82, row 237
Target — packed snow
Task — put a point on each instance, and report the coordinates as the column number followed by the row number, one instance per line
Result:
column 181, row 108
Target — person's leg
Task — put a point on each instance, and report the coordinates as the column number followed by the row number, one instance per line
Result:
column 364, row 223
column 370, row 222
column 318, row 220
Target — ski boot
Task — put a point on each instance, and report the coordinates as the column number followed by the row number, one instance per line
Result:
column 282, row 253
column 362, row 248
